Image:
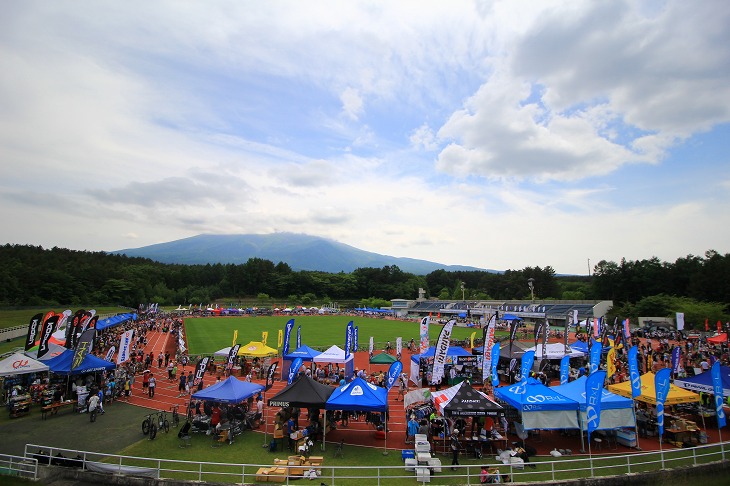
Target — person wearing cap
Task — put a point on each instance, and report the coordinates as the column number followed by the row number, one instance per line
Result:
column 455, row 447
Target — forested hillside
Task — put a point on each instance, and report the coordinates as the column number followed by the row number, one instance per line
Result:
column 32, row 275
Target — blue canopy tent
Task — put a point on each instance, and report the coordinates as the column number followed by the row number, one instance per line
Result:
column 358, row 395
column 582, row 346
column 305, row 352
column 616, row 411
column 510, row 317
column 115, row 320
column 61, row 364
column 703, row 382
column 540, row 406
column 451, row 355
column 231, row 390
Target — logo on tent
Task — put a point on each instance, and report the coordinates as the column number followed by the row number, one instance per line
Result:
column 21, row 363
column 356, row 391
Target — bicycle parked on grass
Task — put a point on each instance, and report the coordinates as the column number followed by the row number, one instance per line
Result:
column 149, row 426
column 162, row 422
column 175, row 415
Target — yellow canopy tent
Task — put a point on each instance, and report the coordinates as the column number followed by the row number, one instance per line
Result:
column 648, row 391
column 256, row 349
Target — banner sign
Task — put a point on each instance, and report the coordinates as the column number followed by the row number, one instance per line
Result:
column 676, row 354
column 495, row 360
column 264, row 338
column 424, row 334
column 661, row 382
column 299, row 336
column 595, row 356
column 442, row 348
column 293, row 370
column 46, row 332
column 110, row 353
column 371, row 348
column 270, row 374
column 634, row 374
column 487, row 349
column 348, row 339
column 34, row 327
column 200, row 370
column 680, row 321
column 125, row 342
column 465, row 360
column 594, row 390
column 232, row 356
column 398, row 347
column 356, row 339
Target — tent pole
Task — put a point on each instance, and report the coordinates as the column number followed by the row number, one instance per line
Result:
column 636, row 425
column 324, row 429
column 385, row 425
column 263, row 417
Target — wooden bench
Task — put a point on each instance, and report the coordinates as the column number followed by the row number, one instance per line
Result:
column 53, row 408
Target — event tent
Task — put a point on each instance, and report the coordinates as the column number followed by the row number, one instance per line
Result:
column 582, row 346
column 61, row 364
column 115, row 320
column 230, row 390
column 555, row 351
column 20, row 364
column 518, row 349
column 541, row 407
column 467, row 402
column 648, row 391
column 383, row 358
column 335, row 354
column 358, row 395
column 719, row 339
column 304, row 392
column 703, row 382
column 616, row 411
column 304, row 352
column 256, row 349
column 53, row 351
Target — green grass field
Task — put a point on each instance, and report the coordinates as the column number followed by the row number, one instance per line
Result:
column 207, row 335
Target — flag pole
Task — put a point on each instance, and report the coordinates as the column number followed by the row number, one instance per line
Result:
column 590, row 454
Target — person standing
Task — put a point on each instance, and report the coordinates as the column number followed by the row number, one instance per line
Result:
column 455, row 447
column 181, row 385
column 151, row 385
column 159, row 360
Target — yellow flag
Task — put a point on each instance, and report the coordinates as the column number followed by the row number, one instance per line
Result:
column 472, row 339
column 264, row 336
column 281, row 339
column 235, row 336
column 611, row 362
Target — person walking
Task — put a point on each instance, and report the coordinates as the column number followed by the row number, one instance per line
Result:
column 151, row 385
column 455, row 447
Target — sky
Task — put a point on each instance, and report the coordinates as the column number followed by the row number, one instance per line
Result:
column 498, row 135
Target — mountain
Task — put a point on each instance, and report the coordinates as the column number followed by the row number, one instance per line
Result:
column 300, row 252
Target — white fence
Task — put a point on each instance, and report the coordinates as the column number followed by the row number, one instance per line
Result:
column 564, row 468
column 25, row 467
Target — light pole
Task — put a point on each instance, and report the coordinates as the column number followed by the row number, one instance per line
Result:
column 531, row 284
column 462, row 292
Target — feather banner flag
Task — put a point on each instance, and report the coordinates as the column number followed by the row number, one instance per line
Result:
column 46, row 332
column 125, row 343
column 718, row 391
column 595, row 355
column 280, row 339
column 235, row 337
column 34, row 327
column 564, row 369
column 393, row 373
column 287, row 335
column 356, row 338
column 299, row 336
column 424, row 334
column 471, row 339
column 514, row 323
column 442, row 348
column 528, row 359
column 349, row 331
column 293, row 370
column 594, row 391
column 495, row 360
column 489, row 330
column 634, row 373
column 264, row 337
column 83, row 348
column 371, row 347
column 232, row 356
column 661, row 383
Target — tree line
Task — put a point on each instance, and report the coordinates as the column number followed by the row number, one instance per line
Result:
column 34, row 276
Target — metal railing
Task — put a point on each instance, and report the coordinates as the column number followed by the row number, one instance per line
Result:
column 25, row 467
column 555, row 470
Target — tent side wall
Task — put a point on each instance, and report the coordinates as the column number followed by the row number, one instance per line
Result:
column 550, row 419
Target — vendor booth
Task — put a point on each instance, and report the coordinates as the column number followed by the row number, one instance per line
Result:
column 555, row 351
column 256, row 349
column 466, row 363
column 616, row 411
column 703, row 382
column 648, row 391
column 359, row 395
column 336, row 356
column 20, row 364
column 231, row 390
column 61, row 364
column 539, row 406
column 304, row 392
column 304, row 352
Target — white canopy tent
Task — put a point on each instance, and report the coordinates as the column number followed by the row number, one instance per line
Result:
column 20, row 364
column 555, row 351
column 336, row 355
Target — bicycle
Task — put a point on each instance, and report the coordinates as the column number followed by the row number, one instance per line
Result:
column 175, row 415
column 163, row 423
column 148, row 423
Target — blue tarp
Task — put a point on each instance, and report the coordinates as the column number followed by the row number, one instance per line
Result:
column 115, row 320
column 231, row 390
column 703, row 382
column 582, row 346
column 61, row 364
column 537, row 397
column 510, row 317
column 358, row 395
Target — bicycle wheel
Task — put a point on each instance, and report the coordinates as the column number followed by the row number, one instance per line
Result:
column 153, row 431
column 146, row 426
column 175, row 420
column 166, row 426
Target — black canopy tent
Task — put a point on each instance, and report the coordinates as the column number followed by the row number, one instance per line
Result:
column 468, row 402
column 303, row 392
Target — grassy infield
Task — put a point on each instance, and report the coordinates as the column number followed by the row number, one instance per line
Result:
column 206, row 336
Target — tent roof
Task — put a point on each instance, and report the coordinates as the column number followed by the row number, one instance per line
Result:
column 555, row 351
column 115, row 320
column 383, row 358
column 53, row 351
column 576, row 390
column 256, row 348
column 537, row 397
column 61, row 364
column 452, row 351
column 468, row 402
column 231, row 390
column 648, row 391
column 304, row 352
column 719, row 339
column 358, row 395
column 334, row 354
column 703, row 382
column 304, row 392
column 20, row 364
column 518, row 349
column 582, row 346
column 510, row 317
